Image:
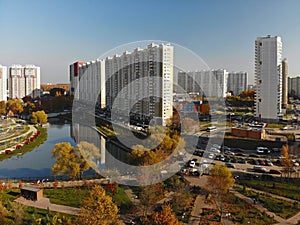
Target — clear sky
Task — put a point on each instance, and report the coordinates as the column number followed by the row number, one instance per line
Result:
column 54, row 33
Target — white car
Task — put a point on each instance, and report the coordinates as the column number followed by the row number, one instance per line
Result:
column 215, row 150
column 192, row 164
column 217, row 146
column 211, row 156
column 229, row 153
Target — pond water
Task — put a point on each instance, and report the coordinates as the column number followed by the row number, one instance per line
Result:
column 37, row 163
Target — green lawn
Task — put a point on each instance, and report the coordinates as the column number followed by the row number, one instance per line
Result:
column 66, row 196
column 74, row 197
column 285, row 189
column 281, row 208
column 31, row 215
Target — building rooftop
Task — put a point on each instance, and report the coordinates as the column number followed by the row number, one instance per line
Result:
column 33, row 189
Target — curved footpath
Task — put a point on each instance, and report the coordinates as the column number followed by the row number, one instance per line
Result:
column 32, row 129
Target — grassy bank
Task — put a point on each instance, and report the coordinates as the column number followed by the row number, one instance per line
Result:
column 282, row 208
column 285, row 189
column 27, row 148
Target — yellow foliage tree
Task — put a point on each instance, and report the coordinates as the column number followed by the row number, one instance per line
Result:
column 2, row 107
column 286, row 161
column 39, row 117
column 69, row 159
column 98, row 208
column 15, row 106
column 219, row 181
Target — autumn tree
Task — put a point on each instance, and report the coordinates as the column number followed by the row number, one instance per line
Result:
column 163, row 142
column 181, row 200
column 150, row 195
column 28, row 108
column 39, row 117
column 164, row 217
column 98, row 208
column 73, row 161
column 15, row 106
column 18, row 212
column 286, row 161
column 3, row 213
column 2, row 107
column 219, row 182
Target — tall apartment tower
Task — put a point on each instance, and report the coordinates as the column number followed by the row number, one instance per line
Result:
column 23, row 81
column 3, row 83
column 92, row 83
column 268, row 77
column 284, row 83
column 237, row 82
column 154, row 65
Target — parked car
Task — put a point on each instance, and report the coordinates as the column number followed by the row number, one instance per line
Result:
column 192, row 164
column 229, row 165
column 259, row 169
column 263, row 150
column 268, row 163
column 8, row 151
column 229, row 153
column 242, row 161
column 241, row 154
column 253, row 156
column 272, row 171
column 211, row 156
column 214, row 150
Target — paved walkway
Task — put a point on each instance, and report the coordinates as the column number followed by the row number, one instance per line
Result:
column 44, row 203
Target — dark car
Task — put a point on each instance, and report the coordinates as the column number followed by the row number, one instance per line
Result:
column 275, row 172
column 229, row 165
column 254, row 156
column 241, row 154
column 242, row 161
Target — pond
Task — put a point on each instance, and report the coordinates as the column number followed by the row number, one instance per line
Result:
column 37, row 163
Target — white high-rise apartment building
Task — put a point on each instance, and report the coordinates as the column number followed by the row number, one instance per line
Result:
column 92, row 83
column 142, row 82
column 3, row 83
column 139, row 82
column 237, row 82
column 23, row 81
column 211, row 83
column 268, row 77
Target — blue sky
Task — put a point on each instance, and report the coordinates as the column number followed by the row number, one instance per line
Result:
column 53, row 34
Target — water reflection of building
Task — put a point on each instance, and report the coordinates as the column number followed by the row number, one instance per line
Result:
column 114, row 150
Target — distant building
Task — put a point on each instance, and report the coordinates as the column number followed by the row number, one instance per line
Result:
column 3, row 83
column 211, row 83
column 249, row 131
column 294, row 87
column 284, row 83
column 268, row 77
column 237, row 82
column 23, row 81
